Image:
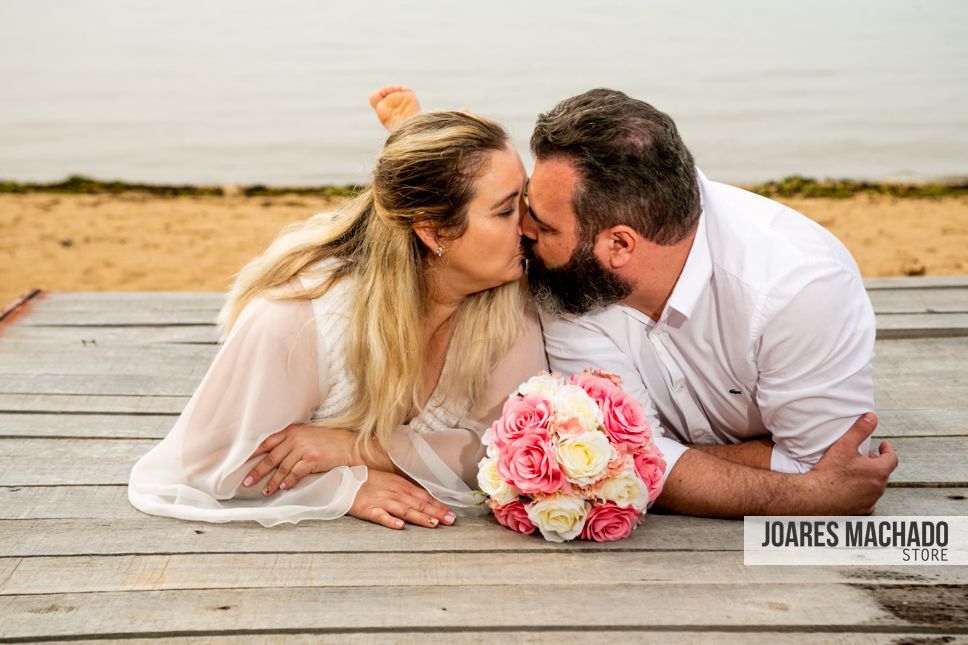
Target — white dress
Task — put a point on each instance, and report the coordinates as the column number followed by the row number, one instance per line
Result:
column 284, row 363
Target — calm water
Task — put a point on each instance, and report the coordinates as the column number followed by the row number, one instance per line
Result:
column 275, row 92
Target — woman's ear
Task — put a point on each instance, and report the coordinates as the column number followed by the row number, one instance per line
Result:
column 427, row 233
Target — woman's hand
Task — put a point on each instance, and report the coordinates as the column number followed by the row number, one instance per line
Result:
column 297, row 451
column 390, row 500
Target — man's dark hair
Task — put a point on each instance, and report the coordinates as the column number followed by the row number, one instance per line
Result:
column 633, row 167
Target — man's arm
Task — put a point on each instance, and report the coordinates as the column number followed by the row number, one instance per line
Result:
column 843, row 482
column 736, row 480
column 755, row 453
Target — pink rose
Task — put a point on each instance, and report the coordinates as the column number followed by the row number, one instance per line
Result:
column 608, row 522
column 565, row 427
column 597, row 387
column 521, row 416
column 650, row 466
column 528, row 463
column 625, row 421
column 514, row 516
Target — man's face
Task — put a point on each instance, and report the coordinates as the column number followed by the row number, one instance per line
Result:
column 563, row 271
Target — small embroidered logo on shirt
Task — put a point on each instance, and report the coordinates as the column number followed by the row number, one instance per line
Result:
column 735, row 391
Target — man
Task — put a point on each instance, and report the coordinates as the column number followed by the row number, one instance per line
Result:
column 741, row 326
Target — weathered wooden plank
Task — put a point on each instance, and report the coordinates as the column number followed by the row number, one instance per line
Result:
column 132, row 335
column 72, row 502
column 578, row 636
column 81, row 404
column 33, row 462
column 923, row 300
column 107, row 426
column 101, row 384
column 930, row 460
column 923, row 282
column 935, row 325
column 88, row 574
column 66, row 461
column 918, row 423
column 393, row 608
column 119, row 317
column 111, row 502
column 146, row 535
column 922, row 373
column 23, row 357
column 112, row 300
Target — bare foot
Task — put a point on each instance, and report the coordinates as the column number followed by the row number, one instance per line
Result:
column 394, row 104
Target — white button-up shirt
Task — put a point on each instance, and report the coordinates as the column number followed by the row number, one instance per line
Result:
column 768, row 332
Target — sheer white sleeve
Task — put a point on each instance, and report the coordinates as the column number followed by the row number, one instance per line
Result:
column 265, row 377
column 444, row 461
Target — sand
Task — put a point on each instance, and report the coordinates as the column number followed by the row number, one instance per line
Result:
column 135, row 242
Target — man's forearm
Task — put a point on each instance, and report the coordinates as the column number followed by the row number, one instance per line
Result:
column 704, row 485
column 757, row 453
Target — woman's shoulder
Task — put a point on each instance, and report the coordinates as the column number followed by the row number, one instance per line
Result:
column 275, row 317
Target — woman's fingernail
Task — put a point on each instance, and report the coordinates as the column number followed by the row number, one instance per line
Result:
column 247, row 481
column 449, row 518
column 434, row 521
column 283, row 486
column 265, row 491
column 399, row 524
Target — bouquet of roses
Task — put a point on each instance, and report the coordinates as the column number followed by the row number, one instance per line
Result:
column 571, row 459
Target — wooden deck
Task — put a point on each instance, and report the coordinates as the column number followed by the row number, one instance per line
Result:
column 89, row 381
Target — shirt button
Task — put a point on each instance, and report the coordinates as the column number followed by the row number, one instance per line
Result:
column 680, row 386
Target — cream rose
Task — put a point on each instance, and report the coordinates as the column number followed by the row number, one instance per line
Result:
column 559, row 518
column 573, row 401
column 625, row 489
column 544, row 384
column 584, row 457
column 491, row 482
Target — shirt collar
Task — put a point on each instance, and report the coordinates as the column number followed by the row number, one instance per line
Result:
column 694, row 279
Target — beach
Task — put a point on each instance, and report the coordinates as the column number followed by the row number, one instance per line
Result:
column 135, row 241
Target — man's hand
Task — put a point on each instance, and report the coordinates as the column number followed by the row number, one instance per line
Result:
column 851, row 483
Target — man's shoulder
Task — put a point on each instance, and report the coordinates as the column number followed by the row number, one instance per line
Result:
column 610, row 322
column 756, row 243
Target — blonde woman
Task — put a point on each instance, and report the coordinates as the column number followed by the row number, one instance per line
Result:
column 366, row 349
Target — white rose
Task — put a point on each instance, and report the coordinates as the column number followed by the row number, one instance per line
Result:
column 584, row 457
column 488, row 440
column 559, row 518
column 493, row 484
column 572, row 401
column 544, row 384
column 625, row 489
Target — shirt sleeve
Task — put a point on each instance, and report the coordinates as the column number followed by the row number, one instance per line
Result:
column 575, row 343
column 266, row 376
column 445, row 461
column 814, row 357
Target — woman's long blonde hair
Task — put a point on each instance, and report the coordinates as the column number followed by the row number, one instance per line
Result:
column 426, row 173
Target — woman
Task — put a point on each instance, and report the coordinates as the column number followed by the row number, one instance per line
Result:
column 364, row 345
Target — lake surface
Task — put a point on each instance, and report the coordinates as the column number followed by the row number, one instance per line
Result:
column 205, row 91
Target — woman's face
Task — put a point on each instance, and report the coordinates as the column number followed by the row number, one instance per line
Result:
column 489, row 253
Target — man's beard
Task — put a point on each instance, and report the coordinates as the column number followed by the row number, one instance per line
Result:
column 578, row 286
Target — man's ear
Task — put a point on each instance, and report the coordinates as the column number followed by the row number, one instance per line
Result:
column 617, row 246
column 428, row 234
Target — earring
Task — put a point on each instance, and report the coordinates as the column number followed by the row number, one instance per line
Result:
column 439, row 251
